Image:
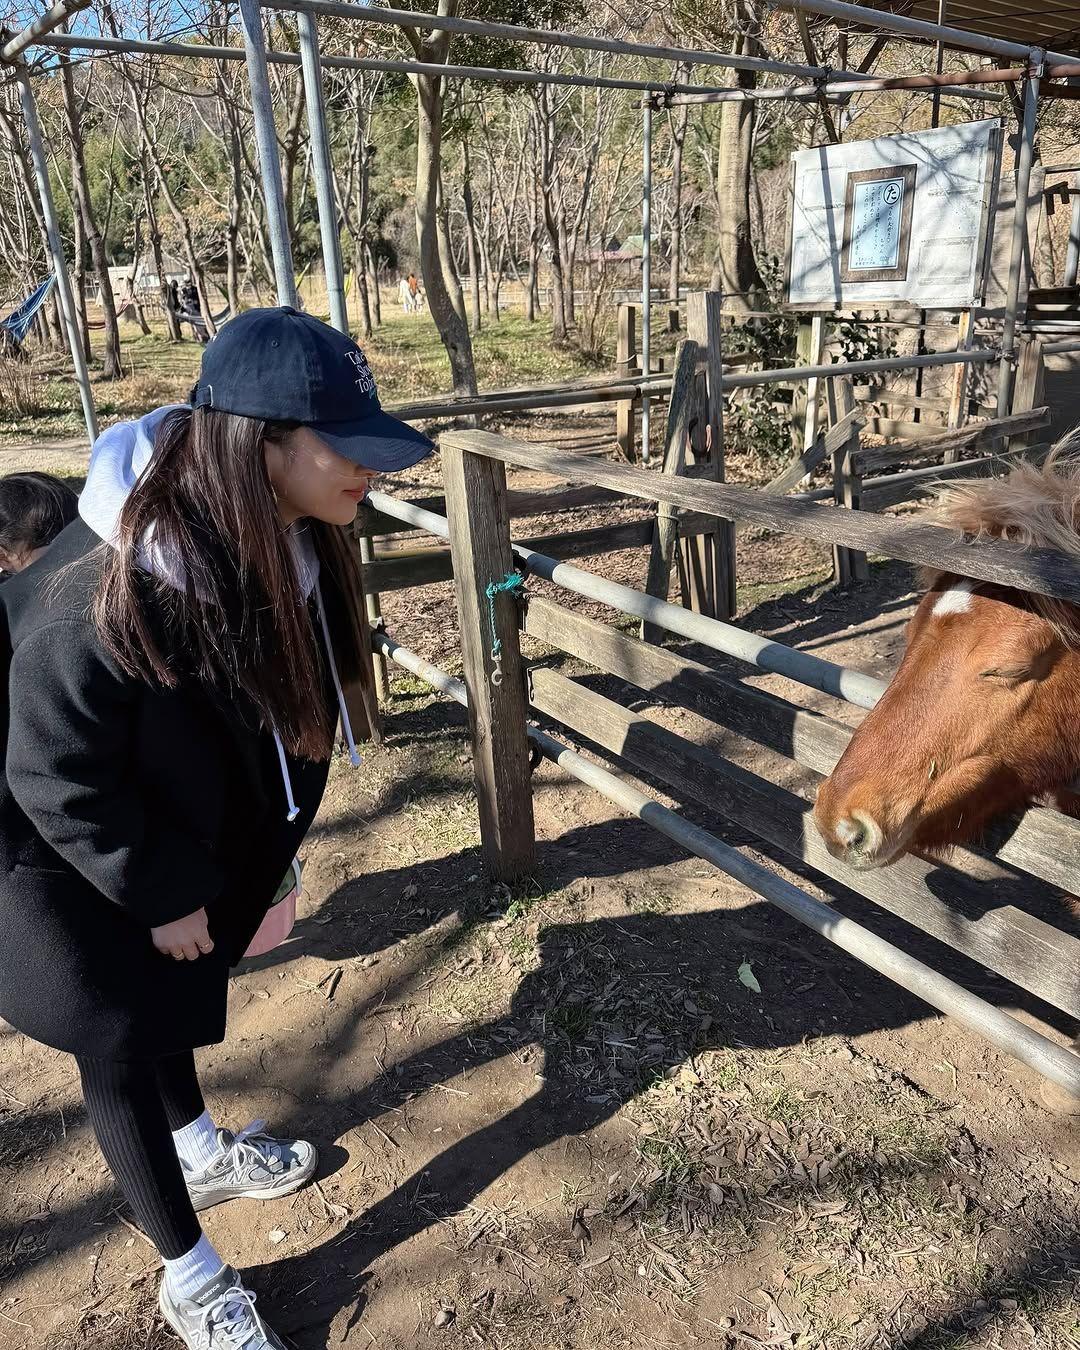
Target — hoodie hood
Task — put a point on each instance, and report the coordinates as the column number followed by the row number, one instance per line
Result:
column 119, row 457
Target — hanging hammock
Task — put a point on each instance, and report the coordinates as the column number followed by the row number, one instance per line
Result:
column 16, row 326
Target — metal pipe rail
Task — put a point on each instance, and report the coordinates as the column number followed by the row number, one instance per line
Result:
column 956, row 82
column 436, row 23
column 1007, row 1034
column 195, row 51
column 839, row 681
column 866, row 17
column 40, row 27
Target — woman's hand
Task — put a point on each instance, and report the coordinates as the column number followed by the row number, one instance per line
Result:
column 184, row 939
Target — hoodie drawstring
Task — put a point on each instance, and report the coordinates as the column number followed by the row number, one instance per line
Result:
column 346, row 725
column 294, row 810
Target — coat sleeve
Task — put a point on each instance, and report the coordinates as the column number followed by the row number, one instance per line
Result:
column 69, row 758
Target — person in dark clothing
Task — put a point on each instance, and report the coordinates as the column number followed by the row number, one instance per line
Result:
column 34, row 508
column 176, row 666
column 192, row 308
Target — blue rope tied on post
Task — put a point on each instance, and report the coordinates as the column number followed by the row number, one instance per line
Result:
column 512, row 584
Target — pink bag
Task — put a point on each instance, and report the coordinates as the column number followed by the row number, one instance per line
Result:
column 280, row 917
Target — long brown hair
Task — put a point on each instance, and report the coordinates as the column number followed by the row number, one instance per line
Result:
column 229, row 610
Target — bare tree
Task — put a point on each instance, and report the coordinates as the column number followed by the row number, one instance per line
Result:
column 436, row 262
column 84, row 209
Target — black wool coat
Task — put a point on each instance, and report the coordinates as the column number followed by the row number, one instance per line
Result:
column 124, row 806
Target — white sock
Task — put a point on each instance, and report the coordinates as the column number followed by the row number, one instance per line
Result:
column 197, row 1144
column 187, row 1274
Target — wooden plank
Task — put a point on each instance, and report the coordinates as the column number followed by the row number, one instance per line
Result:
column 710, row 563
column 975, row 436
column 521, row 504
column 399, row 569
column 848, row 565
column 1040, row 570
column 1031, row 953
column 823, row 448
column 900, row 398
column 1029, row 383
column 958, row 397
column 626, row 363
column 676, row 440
column 1041, row 841
column 480, row 540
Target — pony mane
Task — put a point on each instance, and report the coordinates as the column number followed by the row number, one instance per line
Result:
column 1035, row 505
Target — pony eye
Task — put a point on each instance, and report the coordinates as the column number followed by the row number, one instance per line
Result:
column 1010, row 674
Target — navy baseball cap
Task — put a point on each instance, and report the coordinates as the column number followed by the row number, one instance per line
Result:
column 284, row 366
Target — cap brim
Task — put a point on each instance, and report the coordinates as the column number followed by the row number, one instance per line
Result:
column 377, row 442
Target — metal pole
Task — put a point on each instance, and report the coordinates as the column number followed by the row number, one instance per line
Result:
column 322, row 170
column 850, row 685
column 77, row 42
column 646, row 266
column 1025, row 156
column 41, row 26
column 549, row 37
column 1013, row 1038
column 939, row 65
column 277, row 220
column 956, row 82
column 891, row 22
column 56, row 248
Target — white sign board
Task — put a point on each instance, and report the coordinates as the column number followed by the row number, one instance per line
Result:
column 899, row 219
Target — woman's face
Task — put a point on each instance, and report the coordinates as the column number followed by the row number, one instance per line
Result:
column 310, row 480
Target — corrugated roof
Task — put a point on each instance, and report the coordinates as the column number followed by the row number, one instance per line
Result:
column 1054, row 24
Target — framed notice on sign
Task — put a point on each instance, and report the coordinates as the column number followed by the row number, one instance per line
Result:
column 877, row 223
column 905, row 219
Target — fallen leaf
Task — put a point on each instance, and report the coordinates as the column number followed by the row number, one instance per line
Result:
column 747, row 977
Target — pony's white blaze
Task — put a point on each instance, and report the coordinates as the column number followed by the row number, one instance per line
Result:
column 956, row 600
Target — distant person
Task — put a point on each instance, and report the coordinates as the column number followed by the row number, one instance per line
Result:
column 189, row 297
column 405, row 296
column 34, row 508
column 172, row 296
column 415, row 296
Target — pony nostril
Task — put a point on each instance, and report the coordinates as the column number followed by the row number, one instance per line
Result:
column 851, row 833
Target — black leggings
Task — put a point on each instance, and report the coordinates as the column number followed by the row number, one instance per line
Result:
column 134, row 1107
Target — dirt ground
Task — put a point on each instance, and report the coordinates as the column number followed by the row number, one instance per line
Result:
column 564, row 1117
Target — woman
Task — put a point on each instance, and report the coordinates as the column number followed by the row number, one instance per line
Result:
column 177, row 665
column 34, row 508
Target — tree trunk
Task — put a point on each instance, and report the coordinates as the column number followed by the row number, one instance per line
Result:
column 678, row 137
column 373, row 286
column 84, row 210
column 78, row 280
column 360, row 277
column 435, row 263
column 470, row 232
column 153, row 229
column 737, row 269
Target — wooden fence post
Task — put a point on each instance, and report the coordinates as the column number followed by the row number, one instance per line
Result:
column 479, row 519
column 626, row 364
column 958, row 396
column 711, row 555
column 1029, row 384
column 374, row 616
column 809, row 351
column 848, row 564
column 676, row 449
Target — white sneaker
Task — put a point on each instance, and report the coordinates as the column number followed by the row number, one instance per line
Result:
column 254, row 1165
column 221, row 1316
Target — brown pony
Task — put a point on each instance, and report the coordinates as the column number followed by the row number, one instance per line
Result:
column 983, row 715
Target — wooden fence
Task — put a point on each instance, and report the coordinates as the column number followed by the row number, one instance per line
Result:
column 1037, row 854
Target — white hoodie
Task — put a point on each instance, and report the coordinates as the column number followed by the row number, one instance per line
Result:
column 118, row 459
